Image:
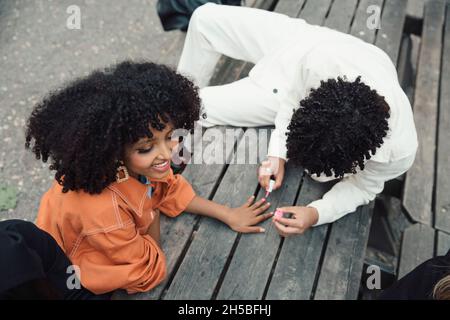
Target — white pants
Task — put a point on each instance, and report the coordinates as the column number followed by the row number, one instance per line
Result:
column 243, row 34
column 240, row 33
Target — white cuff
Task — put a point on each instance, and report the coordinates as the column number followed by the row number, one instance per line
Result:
column 277, row 146
column 325, row 212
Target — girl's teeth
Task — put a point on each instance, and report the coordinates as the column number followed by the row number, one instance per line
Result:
column 160, row 165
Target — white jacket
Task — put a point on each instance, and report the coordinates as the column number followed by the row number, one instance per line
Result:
column 313, row 53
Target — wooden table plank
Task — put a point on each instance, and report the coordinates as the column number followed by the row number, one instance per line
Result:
column 344, row 256
column 418, row 189
column 299, row 258
column 443, row 243
column 253, row 253
column 417, row 247
column 415, row 8
column 390, row 35
column 345, row 251
column 253, row 258
column 228, row 70
column 175, row 233
column 341, row 15
column 315, row 11
column 359, row 26
column 207, row 255
column 291, row 287
column 173, row 292
column 232, row 287
column 442, row 204
column 291, row 8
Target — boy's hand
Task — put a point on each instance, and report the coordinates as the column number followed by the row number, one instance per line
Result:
column 302, row 219
column 244, row 218
column 271, row 167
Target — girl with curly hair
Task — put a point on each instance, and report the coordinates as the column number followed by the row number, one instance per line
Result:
column 108, row 137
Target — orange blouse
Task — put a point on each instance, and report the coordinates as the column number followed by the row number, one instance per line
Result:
column 105, row 235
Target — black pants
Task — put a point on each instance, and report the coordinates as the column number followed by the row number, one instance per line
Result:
column 419, row 283
column 175, row 14
column 33, row 266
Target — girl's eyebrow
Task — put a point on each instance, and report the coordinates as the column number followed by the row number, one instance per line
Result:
column 148, row 140
column 144, row 142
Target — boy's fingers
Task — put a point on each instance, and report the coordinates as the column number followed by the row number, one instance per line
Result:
column 288, row 222
column 264, row 181
column 281, row 233
column 288, row 209
column 265, row 163
column 278, row 181
column 285, row 230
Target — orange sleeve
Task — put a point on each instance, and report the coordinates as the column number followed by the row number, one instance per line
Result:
column 177, row 197
column 121, row 259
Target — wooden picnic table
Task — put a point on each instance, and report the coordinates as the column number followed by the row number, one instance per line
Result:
column 207, row 260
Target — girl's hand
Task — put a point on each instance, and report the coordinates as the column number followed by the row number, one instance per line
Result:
column 244, row 218
column 302, row 219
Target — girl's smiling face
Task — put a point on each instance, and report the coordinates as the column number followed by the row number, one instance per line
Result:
column 151, row 157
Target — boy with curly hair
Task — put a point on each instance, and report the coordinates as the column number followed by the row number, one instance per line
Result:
column 109, row 139
column 336, row 103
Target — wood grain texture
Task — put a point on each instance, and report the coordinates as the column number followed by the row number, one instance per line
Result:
column 418, row 189
column 389, row 36
column 208, row 252
column 442, row 204
column 344, row 254
column 443, row 243
column 254, row 256
column 417, row 247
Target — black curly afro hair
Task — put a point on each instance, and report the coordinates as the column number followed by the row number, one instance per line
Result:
column 337, row 127
column 85, row 127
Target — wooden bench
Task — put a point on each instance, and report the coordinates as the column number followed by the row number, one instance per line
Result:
column 427, row 186
column 206, row 260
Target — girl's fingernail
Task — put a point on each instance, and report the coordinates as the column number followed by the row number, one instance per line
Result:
column 263, row 199
column 262, row 230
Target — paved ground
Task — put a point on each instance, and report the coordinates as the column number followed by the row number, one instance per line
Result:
column 39, row 53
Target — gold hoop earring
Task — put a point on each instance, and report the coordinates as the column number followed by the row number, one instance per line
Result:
column 122, row 174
